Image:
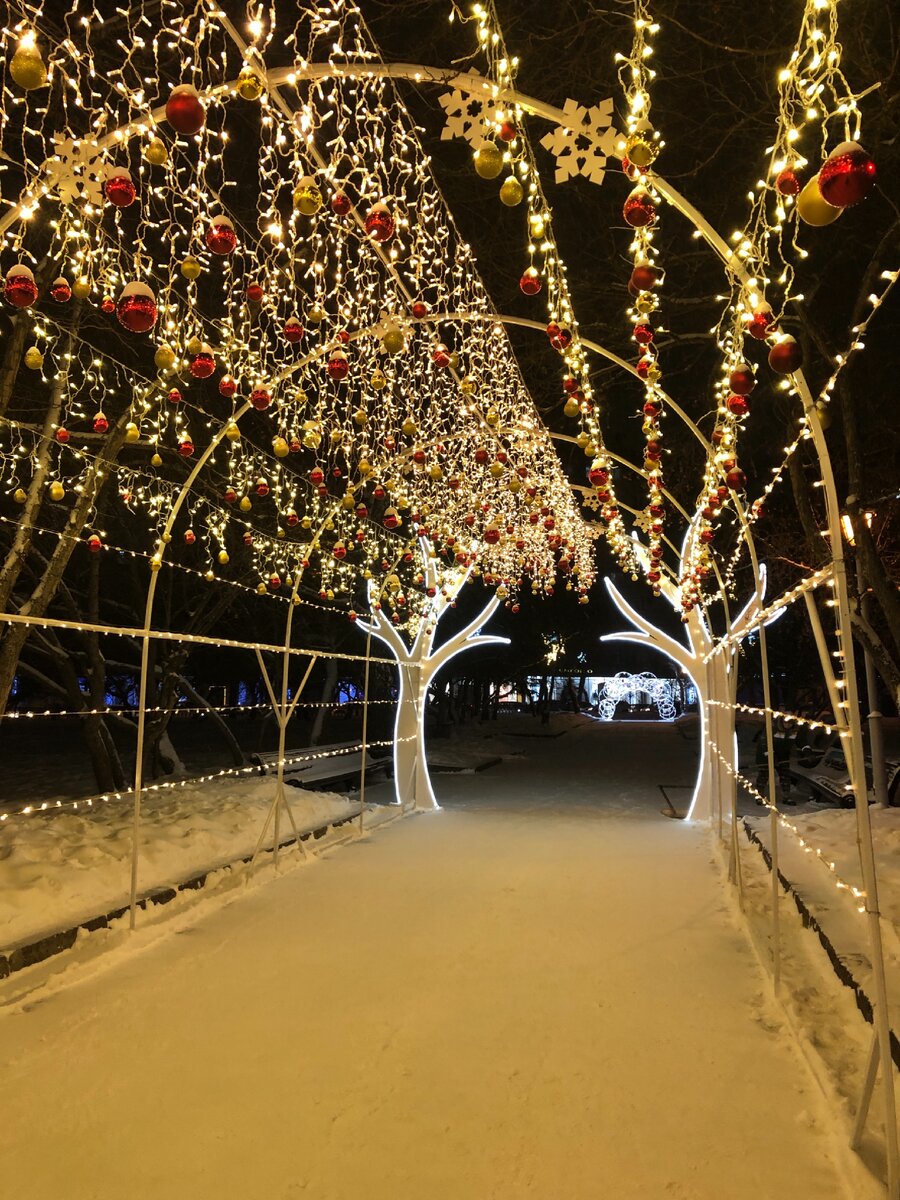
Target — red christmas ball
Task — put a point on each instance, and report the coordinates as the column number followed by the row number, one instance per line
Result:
column 119, row 189
column 508, row 131
column 290, row 517
column 260, row 398
column 108, row 305
column 761, row 324
column 174, row 397
column 262, row 488
column 340, row 204
column 630, row 171
column 847, row 176
column 20, row 288
column 380, row 223
column 293, row 330
column 185, row 111
column 254, row 293
column 420, row 310
column 61, row 290
column 742, row 380
column 787, row 182
column 230, row 495
column 643, row 334
column 186, row 448
column 94, row 544
column 644, row 277
column 652, row 408
column 220, row 236
column 639, row 209
column 530, row 282
column 560, row 336
column 737, row 405
column 706, row 536
column 570, row 384
column 136, row 309
column 227, row 386
column 785, row 357
column 440, row 355
column 736, row 479
column 62, row 436
column 203, row 364
column 274, row 583
column 343, row 337
column 101, row 424
column 316, row 476
column 189, row 537
column 338, row 366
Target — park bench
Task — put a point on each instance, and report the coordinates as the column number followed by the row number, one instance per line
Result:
column 318, row 765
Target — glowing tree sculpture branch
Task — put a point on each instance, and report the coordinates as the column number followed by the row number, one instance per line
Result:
column 418, row 664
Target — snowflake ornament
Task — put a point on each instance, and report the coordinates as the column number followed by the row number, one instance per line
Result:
column 75, row 171
column 583, row 145
column 643, row 521
column 466, row 117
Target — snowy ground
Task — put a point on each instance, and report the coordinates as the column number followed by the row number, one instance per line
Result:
column 543, row 990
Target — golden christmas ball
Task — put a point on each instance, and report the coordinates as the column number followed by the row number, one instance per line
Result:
column 514, row 485
column 34, row 360
column 360, row 417
column 249, row 85
column 195, row 345
column 307, row 196
column 496, row 469
column 209, row 576
column 164, row 358
column 223, row 557
column 812, row 208
column 81, row 288
column 280, row 448
column 488, row 160
column 582, row 439
column 57, row 491
column 511, row 192
column 378, row 380
column 435, row 472
column 316, row 315
column 467, row 386
column 364, row 468
column 245, row 504
column 336, row 436
column 132, row 433
column 348, row 501
column 232, row 432
column 156, row 460
column 190, row 269
column 409, row 427
column 27, row 67
column 20, row 496
column 393, row 340
column 261, row 589
column 641, row 147
column 492, row 416
column 571, row 407
column 156, row 153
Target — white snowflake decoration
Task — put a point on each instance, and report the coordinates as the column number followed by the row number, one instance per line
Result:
column 466, row 117
column 75, row 171
column 583, row 145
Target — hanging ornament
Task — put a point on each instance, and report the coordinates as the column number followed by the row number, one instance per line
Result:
column 101, row 423
column 307, row 196
column 511, row 192
column 340, row 204
column 488, row 160
column 639, row 209
column 191, row 269
column 742, row 380
column 280, row 447
column 203, row 364
column 20, row 288
column 249, row 85
column 642, row 146
column 220, row 236
column 232, row 432
column 62, row 436
column 420, row 310
column 186, row 447
column 440, row 355
column 60, row 290
column 847, row 176
column 785, row 357
column 184, row 110
column 812, row 208
column 136, row 309
column 645, row 276
column 787, row 182
column 530, row 282
column 316, row 315
column 27, row 66
column 260, row 398
column 189, row 537
column 378, row 380
column 57, row 491
column 81, row 288
column 737, row 405
column 108, row 305
column 393, row 339
column 339, row 550
column 508, row 131
column 132, row 433
column 155, row 152
column 338, row 366
column 391, row 518
column 164, row 359
column 94, row 544
column 380, row 223
column 119, row 188
column 227, row 386
column 736, row 479
column 761, row 324
column 34, row 360
column 560, row 336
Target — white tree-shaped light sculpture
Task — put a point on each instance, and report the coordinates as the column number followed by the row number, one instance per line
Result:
column 712, row 675
column 418, row 663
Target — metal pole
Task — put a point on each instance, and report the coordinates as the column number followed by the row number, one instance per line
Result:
column 365, row 731
column 773, row 814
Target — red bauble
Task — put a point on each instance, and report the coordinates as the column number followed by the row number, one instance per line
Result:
column 101, row 424
column 736, row 479
column 340, row 204
column 643, row 334
column 652, row 408
column 60, row 290
column 742, row 380
column 737, row 405
column 230, row 495
column 94, row 544
column 570, row 384
column 644, row 277
column 316, row 476
column 262, row 488
column 481, row 455
column 254, row 293
column 343, row 337
column 62, row 436
column 339, row 551
column 847, row 176
column 203, row 363
column 189, row 537
column 630, row 171
column 492, row 536
column 107, row 305
column 185, row 111
column 293, row 330
column 119, row 189
column 598, row 476
column 440, row 355
column 706, row 536
column 761, row 324
column 290, row 517
column 136, row 309
column 508, row 131
column 785, row 357
column 20, row 288
column 227, row 386
column 639, row 209
column 560, row 337
column 380, row 223
column 420, row 310
column 186, row 448
column 338, row 366
column 530, row 282
column 220, row 236
column 787, row 182
column 260, row 398
column 174, row 397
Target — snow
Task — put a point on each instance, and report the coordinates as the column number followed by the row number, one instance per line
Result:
column 63, row 867
column 543, row 990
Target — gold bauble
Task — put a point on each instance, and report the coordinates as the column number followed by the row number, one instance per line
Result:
column 590, row 450
column 511, row 192
column 641, row 148
column 364, row 468
column 249, row 85
column 645, row 303
column 132, row 433
column 156, row 152
column 223, row 557
column 571, row 407
column 195, row 345
column 582, row 439
column 190, row 269
column 156, row 460
column 20, row 496
column 467, row 386
column 492, row 416
column 360, row 417
column 164, row 358
column 453, row 364
column 812, row 209
column 378, row 380
column 209, row 576
column 514, row 485
column 336, row 436
column 496, row 469
column 232, row 432
column 279, row 532
column 245, row 504
column 307, row 197
column 348, row 501
column 280, row 448
column 81, row 288
column 316, row 315
column 261, row 589
column 166, row 538
column 57, row 491
column 393, row 340
column 488, row 160
column 409, row 427
column 27, row 68
column 435, row 472
column 34, row 360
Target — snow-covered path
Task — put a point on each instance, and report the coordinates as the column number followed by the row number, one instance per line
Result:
column 512, row 998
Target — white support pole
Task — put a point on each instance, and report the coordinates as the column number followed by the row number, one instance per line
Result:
column 773, row 814
column 365, row 733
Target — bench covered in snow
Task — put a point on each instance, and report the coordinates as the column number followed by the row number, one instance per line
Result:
column 316, row 765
